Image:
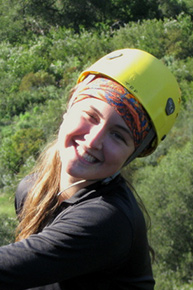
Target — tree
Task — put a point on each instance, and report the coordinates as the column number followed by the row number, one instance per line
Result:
column 133, row 10
column 38, row 16
column 166, row 188
column 171, row 8
column 12, row 22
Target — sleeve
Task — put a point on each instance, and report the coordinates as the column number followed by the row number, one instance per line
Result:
column 84, row 240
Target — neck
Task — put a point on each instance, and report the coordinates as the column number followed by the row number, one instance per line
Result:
column 70, row 185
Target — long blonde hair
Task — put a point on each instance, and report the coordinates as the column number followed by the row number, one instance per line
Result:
column 42, row 199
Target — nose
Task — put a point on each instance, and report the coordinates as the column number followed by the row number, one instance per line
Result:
column 95, row 138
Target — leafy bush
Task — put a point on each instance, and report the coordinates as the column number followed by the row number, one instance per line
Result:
column 34, row 80
column 164, row 181
column 78, row 50
column 179, row 37
column 147, row 35
column 168, row 37
column 20, row 102
column 7, row 229
column 23, row 144
column 167, row 190
column 169, row 280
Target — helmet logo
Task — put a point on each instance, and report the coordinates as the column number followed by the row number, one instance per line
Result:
column 170, row 106
column 115, row 55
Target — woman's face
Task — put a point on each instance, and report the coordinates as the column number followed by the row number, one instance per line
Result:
column 94, row 141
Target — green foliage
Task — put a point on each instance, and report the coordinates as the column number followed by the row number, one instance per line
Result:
column 20, row 102
column 21, row 20
column 75, row 50
column 7, row 229
column 166, row 187
column 169, row 280
column 167, row 191
column 27, row 59
column 16, row 149
column 148, row 35
column 161, row 38
column 26, row 18
column 11, row 21
column 164, row 181
column 171, row 8
column 35, row 80
column 179, row 36
column 7, row 216
column 27, row 142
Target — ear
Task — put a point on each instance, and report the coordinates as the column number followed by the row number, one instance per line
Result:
column 64, row 116
column 62, row 123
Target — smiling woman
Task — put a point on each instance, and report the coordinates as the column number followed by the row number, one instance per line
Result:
column 95, row 145
column 80, row 226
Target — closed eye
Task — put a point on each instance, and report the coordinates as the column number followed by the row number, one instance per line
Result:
column 92, row 117
column 119, row 136
column 124, row 134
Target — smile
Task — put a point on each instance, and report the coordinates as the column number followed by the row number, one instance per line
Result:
column 86, row 156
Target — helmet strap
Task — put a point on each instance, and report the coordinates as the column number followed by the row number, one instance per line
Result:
column 106, row 180
column 146, row 141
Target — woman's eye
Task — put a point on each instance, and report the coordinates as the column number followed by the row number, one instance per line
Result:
column 91, row 117
column 119, row 136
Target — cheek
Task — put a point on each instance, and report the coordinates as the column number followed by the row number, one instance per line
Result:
column 116, row 156
column 72, row 127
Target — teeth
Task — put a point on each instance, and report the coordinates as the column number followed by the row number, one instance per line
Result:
column 89, row 158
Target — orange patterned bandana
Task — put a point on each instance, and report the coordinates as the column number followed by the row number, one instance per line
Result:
column 124, row 103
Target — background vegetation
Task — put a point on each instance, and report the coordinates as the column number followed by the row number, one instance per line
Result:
column 44, row 46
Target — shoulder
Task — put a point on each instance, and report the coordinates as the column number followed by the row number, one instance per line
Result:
column 109, row 213
column 22, row 190
column 122, row 196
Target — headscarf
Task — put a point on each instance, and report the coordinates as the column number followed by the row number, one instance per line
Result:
column 123, row 102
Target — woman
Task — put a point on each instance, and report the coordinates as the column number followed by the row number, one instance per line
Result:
column 80, row 225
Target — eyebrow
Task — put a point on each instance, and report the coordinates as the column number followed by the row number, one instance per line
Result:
column 97, row 111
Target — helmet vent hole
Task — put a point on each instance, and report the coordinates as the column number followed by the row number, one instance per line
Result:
column 163, row 137
column 170, row 106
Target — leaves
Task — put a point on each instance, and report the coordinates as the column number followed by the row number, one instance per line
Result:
column 167, row 191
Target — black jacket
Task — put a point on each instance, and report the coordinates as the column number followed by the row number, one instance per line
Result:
column 96, row 241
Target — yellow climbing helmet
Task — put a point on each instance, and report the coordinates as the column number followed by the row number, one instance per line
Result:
column 148, row 79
